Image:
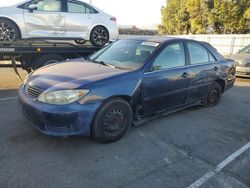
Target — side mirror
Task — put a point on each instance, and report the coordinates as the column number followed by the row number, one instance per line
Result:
column 150, row 69
column 32, row 7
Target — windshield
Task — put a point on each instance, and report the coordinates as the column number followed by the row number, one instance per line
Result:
column 246, row 50
column 125, row 54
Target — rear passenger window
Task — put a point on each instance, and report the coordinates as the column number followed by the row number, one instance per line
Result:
column 172, row 56
column 74, row 7
column 89, row 10
column 79, row 7
column 198, row 54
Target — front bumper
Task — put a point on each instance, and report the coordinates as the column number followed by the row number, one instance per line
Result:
column 243, row 71
column 55, row 120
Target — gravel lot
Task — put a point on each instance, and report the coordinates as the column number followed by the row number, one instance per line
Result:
column 173, row 151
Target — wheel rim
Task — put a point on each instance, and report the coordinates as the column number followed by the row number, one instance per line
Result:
column 100, row 36
column 114, row 122
column 213, row 96
column 7, row 32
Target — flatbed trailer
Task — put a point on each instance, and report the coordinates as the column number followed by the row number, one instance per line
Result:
column 34, row 54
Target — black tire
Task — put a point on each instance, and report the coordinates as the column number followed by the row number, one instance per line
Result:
column 9, row 32
column 81, row 42
column 99, row 36
column 44, row 60
column 213, row 95
column 112, row 121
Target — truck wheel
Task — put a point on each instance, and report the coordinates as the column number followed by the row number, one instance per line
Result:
column 99, row 36
column 112, row 121
column 44, row 60
column 9, row 32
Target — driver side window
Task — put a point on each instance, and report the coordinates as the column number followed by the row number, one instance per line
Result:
column 172, row 56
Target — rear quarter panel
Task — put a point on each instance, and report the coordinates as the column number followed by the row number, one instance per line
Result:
column 227, row 72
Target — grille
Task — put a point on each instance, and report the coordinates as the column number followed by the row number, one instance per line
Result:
column 34, row 91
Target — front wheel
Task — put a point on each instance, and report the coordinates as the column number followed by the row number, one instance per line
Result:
column 112, row 121
column 9, row 32
column 213, row 95
column 99, row 36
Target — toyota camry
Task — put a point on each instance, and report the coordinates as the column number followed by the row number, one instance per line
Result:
column 124, row 84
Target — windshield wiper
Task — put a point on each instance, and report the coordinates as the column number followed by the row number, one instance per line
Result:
column 101, row 62
column 105, row 64
column 113, row 66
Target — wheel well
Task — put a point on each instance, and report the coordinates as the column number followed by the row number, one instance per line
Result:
column 127, row 98
column 124, row 97
column 4, row 18
column 222, row 84
column 100, row 26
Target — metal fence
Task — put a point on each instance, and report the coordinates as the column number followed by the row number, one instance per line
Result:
column 225, row 44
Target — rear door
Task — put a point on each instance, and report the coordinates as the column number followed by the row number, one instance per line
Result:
column 79, row 18
column 47, row 20
column 166, row 85
column 203, row 69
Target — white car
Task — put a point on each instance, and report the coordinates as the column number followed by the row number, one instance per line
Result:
column 57, row 19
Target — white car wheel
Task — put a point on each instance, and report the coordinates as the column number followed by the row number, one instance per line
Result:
column 99, row 36
column 9, row 32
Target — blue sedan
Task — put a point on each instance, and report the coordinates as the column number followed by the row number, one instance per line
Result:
column 124, row 83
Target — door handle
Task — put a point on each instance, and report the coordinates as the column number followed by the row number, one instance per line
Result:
column 185, row 75
column 216, row 68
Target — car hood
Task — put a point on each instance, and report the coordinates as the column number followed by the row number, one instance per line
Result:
column 242, row 58
column 71, row 75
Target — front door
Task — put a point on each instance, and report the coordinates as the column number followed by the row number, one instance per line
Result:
column 166, row 85
column 47, row 20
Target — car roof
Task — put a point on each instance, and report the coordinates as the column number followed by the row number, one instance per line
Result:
column 150, row 38
column 157, row 39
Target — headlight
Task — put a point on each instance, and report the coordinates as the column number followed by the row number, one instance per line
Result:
column 62, row 97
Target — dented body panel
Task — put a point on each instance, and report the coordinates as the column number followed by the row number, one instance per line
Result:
column 56, row 22
column 149, row 92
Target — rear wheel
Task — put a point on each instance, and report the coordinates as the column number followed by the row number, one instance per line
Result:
column 9, row 32
column 99, row 36
column 213, row 95
column 112, row 121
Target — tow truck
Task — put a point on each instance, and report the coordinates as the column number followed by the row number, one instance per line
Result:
column 33, row 54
